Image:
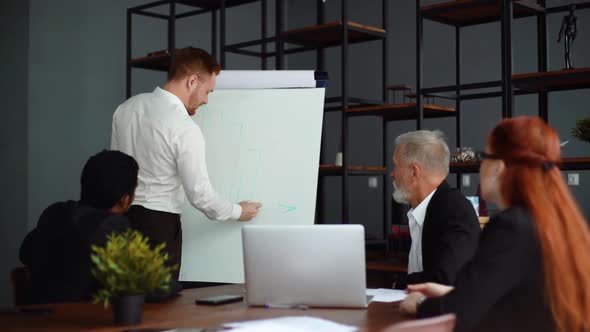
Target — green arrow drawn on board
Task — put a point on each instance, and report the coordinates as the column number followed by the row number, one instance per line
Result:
column 289, row 208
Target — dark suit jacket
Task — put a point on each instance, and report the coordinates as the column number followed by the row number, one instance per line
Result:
column 502, row 287
column 450, row 234
column 58, row 250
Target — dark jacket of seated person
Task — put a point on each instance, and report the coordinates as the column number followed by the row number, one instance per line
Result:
column 58, row 250
column 502, row 288
column 449, row 237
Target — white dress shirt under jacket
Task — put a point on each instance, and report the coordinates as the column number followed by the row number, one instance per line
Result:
column 415, row 221
column 169, row 147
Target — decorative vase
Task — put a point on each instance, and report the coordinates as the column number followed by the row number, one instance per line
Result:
column 128, row 309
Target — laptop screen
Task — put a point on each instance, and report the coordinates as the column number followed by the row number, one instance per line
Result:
column 314, row 265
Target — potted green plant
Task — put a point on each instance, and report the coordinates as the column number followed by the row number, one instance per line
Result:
column 582, row 130
column 128, row 268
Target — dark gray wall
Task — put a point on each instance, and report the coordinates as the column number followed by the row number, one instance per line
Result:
column 480, row 46
column 77, row 70
column 77, row 79
column 63, row 66
column 13, row 137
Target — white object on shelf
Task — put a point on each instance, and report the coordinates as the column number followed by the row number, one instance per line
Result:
column 573, row 179
column 466, row 179
column 338, row 160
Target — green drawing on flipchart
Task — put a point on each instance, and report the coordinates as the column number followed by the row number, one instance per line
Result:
column 288, row 208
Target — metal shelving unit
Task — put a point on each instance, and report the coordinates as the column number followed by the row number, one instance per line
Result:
column 342, row 34
column 160, row 60
column 465, row 13
column 313, row 38
column 459, row 14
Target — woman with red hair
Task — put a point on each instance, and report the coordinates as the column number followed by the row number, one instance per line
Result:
column 532, row 265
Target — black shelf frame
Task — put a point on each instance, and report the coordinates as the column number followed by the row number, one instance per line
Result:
column 470, row 11
column 568, row 164
column 343, row 102
column 337, row 104
column 239, row 48
column 506, row 88
column 338, row 170
column 162, row 62
column 509, row 85
column 171, row 18
column 399, row 112
column 506, row 14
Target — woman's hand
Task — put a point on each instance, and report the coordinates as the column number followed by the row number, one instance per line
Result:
column 430, row 289
column 410, row 304
column 419, row 292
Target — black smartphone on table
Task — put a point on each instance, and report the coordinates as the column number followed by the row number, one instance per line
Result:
column 219, row 299
column 31, row 311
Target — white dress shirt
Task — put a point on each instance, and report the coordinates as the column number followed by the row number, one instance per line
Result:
column 169, row 147
column 416, row 220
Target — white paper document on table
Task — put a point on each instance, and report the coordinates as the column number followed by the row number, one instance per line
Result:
column 386, row 295
column 290, row 324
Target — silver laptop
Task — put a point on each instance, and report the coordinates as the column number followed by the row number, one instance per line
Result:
column 315, row 265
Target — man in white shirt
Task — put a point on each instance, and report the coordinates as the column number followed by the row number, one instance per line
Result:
column 156, row 129
column 443, row 224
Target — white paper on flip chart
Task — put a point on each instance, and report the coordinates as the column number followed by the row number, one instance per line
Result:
column 263, row 145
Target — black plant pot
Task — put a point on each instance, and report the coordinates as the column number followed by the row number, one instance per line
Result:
column 128, row 309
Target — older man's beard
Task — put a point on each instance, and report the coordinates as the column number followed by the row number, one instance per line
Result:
column 400, row 195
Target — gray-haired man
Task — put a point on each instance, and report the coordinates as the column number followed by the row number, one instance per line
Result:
column 443, row 224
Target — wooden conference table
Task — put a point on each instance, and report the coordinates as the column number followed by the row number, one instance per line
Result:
column 182, row 312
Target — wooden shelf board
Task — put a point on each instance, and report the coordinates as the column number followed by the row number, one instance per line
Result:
column 401, row 87
column 160, row 62
column 213, row 4
column 387, row 262
column 471, row 12
column 567, row 164
column 329, row 34
column 578, row 78
column 353, row 170
column 578, row 163
column 465, row 167
column 407, row 111
column 386, row 266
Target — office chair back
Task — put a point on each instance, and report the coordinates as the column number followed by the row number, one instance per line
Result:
column 21, row 285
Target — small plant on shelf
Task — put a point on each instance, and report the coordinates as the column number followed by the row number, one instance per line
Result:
column 582, row 130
